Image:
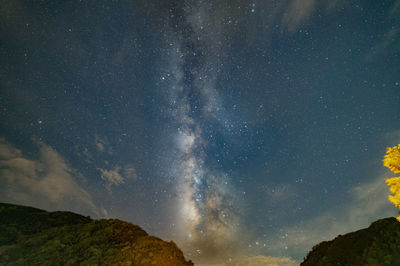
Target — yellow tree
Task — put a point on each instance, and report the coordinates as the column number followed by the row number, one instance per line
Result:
column 392, row 161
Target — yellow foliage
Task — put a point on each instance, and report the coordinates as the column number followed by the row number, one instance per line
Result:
column 392, row 161
column 394, row 184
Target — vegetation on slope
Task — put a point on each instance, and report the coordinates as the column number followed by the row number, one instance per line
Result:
column 29, row 236
column 378, row 244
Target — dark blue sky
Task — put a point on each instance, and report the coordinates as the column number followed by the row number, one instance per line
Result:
column 234, row 128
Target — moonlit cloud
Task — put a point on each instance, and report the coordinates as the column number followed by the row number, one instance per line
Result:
column 48, row 182
column 102, row 145
column 117, row 175
column 113, row 177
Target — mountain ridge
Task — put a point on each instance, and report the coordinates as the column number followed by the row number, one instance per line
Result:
column 33, row 236
column 379, row 244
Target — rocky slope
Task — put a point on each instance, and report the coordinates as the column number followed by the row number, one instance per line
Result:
column 30, row 236
column 379, row 244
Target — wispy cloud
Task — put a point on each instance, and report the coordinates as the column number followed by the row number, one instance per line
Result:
column 395, row 8
column 118, row 175
column 296, row 13
column 383, row 45
column 47, row 181
column 391, row 34
column 112, row 176
column 393, row 138
column 102, row 145
column 262, row 261
column 368, row 203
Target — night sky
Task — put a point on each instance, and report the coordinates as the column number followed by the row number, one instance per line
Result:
column 234, row 128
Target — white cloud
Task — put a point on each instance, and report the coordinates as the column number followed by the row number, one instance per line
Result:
column 102, row 145
column 47, row 182
column 117, row 175
column 112, row 176
column 7, row 151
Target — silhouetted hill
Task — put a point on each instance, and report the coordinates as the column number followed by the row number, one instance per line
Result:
column 379, row 244
column 30, row 236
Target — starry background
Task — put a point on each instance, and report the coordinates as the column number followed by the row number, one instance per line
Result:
column 234, row 128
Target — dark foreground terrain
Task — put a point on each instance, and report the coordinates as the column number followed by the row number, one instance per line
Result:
column 30, row 236
column 378, row 244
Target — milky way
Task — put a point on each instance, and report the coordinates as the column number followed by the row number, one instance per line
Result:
column 207, row 208
column 234, row 128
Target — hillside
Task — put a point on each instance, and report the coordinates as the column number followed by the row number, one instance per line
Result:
column 30, row 236
column 379, row 244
